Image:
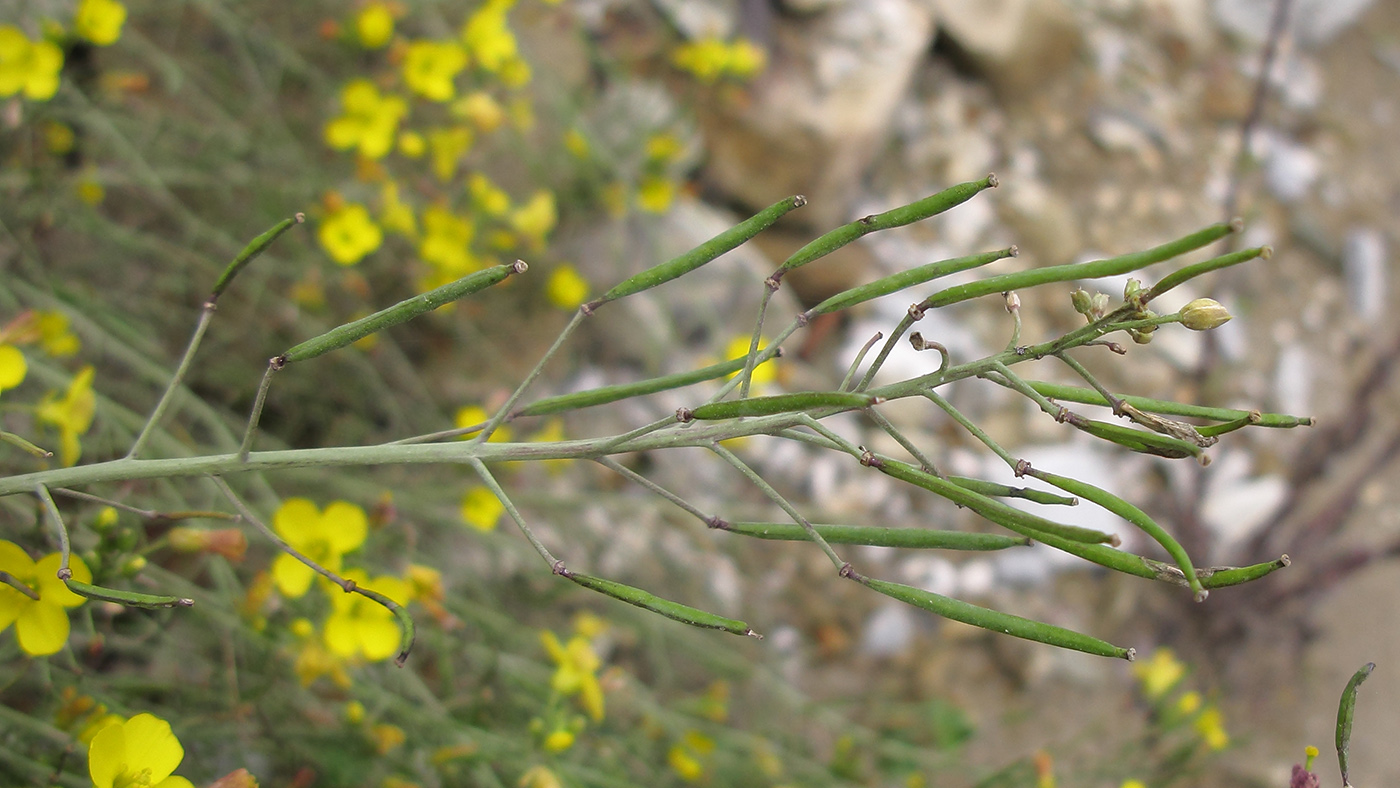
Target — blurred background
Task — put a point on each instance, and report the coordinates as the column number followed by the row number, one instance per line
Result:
column 141, row 148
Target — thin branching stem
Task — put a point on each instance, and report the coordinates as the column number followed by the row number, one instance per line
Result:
column 855, row 364
column 776, row 497
column 246, row 446
column 505, row 409
column 628, row 473
column 555, row 565
column 971, row 427
column 206, row 315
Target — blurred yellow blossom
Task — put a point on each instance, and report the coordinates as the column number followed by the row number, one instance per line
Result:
column 59, row 137
column 1188, row 703
column 99, row 21
column 39, row 611
column 488, row 37
column 412, row 145
column 481, row 509
column 488, row 198
column 430, row 68
column 447, row 242
column 91, row 191
column 559, row 740
column 1133, row 784
column 387, row 738
column 539, row 777
column 349, row 234
column 360, row 626
column 354, row 712
column 710, row 59
column 371, row 120
column 655, row 193
column 28, row 67
column 374, row 25
column 738, row 347
column 565, row 288
column 514, row 73
column 395, row 214
column 447, row 147
column 1159, row 673
column 324, row 537
column 13, row 367
column 470, row 415
column 142, row 751
column 1211, row 728
column 71, row 414
column 536, row 218
column 231, row 543
column 576, row 671
column 481, row 110
column 55, row 337
column 314, row 660
column 576, row 144
column 664, row 148
column 687, row 756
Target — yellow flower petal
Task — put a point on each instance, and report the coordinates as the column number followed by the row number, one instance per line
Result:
column 12, row 367
column 344, row 526
column 293, row 578
column 42, row 629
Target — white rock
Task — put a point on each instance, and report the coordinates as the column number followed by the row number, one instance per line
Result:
column 1366, row 267
column 1293, row 379
column 888, row 631
column 1310, row 22
column 702, row 18
column 1291, row 169
column 977, row 578
column 1237, row 504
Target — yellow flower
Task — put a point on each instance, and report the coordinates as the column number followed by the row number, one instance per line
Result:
column 655, row 193
column 576, row 144
column 72, row 414
column 314, row 660
column 1211, row 728
column 360, row 626
column 59, row 138
column 395, row 214
column 99, row 21
column 55, row 337
column 685, row 764
column 448, row 146
column 481, row 110
column 764, row 373
column 1188, row 703
column 576, row 672
column 488, row 37
column 324, row 537
column 349, row 234
column 710, row 59
column 539, row 777
column 374, row 25
column 1133, row 784
column 41, row 622
column 30, row 67
column 430, row 68
column 412, row 145
column 514, row 73
column 231, row 543
column 387, row 738
column 91, row 191
column 559, row 741
column 142, row 751
column 13, row 367
column 565, row 288
column 447, row 242
column 370, row 122
column 536, row 218
column 1159, row 674
column 471, row 415
column 488, row 198
column 664, row 148
column 354, row 712
column 481, row 509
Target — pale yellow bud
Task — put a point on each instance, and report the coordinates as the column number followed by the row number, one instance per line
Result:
column 1203, row 314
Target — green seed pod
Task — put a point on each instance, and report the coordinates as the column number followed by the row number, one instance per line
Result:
column 1088, row 396
column 672, row 610
column 704, row 253
column 1138, row 440
column 995, row 490
column 1192, row 271
column 402, row 312
column 904, row 279
column 1133, row 515
column 898, row 217
column 1346, row 712
column 254, row 248
column 1217, row 576
column 1203, row 314
column 778, row 403
column 128, row 598
column 918, row 538
column 606, row 394
column 997, row 621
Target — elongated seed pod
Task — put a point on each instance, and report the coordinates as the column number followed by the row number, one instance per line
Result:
column 1133, row 515
column 128, row 598
column 1023, row 523
column 1089, row 396
column 402, row 312
column 905, row 279
column 672, row 610
column 996, row 620
column 995, row 490
column 254, row 248
column 1090, row 270
column 898, row 217
column 778, row 403
column 920, row 538
column 1140, row 441
column 1346, row 711
column 1217, row 576
column 704, row 253
column 1190, row 272
column 621, row 391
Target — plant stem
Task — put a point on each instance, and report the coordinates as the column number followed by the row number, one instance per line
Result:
column 777, row 498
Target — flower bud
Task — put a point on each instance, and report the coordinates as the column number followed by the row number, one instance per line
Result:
column 1081, row 301
column 1131, row 289
column 230, row 543
column 1203, row 314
